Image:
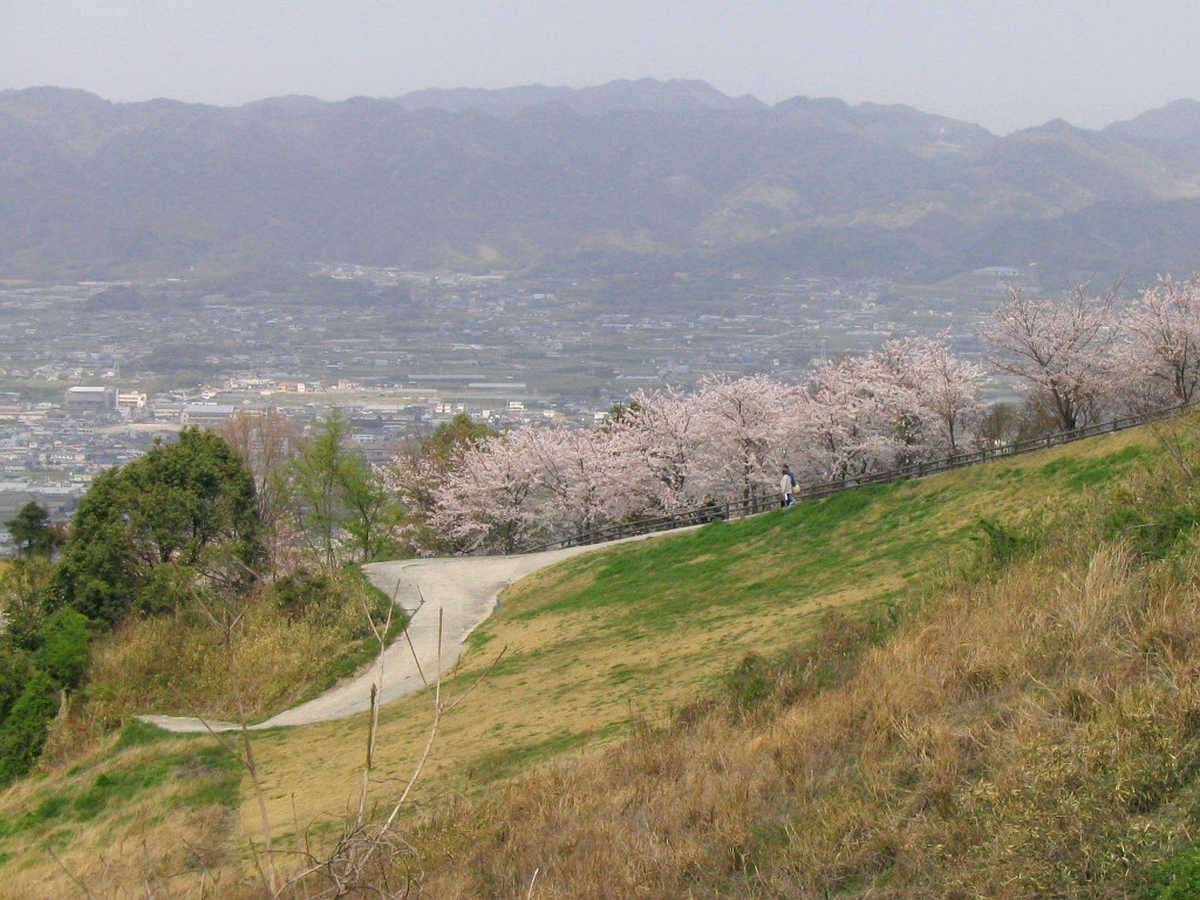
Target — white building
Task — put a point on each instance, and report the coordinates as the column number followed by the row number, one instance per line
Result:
column 130, row 400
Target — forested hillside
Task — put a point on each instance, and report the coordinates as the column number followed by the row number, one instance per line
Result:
column 606, row 178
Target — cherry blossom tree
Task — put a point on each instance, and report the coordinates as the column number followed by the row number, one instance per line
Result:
column 1160, row 357
column 941, row 390
column 744, row 424
column 1059, row 348
column 908, row 401
column 483, row 503
column 843, row 424
column 578, row 478
column 413, row 477
column 820, row 427
column 654, row 447
column 418, row 468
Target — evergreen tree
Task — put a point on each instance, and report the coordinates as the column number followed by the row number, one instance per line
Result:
column 188, row 506
column 32, row 531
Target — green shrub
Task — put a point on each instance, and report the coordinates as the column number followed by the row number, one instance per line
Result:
column 23, row 585
column 1001, row 545
column 751, row 681
column 63, row 653
column 826, row 660
column 300, row 593
column 1178, row 878
column 1155, row 533
column 24, row 730
column 189, row 503
column 14, row 674
column 165, row 587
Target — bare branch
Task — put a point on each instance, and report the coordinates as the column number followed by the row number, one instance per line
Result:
column 488, row 671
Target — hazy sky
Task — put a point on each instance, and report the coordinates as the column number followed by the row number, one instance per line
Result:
column 1004, row 64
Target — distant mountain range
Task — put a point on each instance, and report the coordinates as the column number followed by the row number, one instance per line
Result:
column 609, row 178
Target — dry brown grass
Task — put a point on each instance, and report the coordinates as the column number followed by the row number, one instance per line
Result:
column 562, row 689
column 180, row 664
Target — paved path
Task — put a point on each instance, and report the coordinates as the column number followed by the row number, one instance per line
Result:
column 463, row 588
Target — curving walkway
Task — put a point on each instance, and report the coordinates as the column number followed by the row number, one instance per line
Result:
column 465, row 589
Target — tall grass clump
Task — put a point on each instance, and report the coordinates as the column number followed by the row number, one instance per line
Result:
column 1034, row 730
column 295, row 637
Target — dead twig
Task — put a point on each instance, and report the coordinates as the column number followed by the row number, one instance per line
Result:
column 252, row 769
column 376, row 688
column 367, row 848
column 79, row 884
column 433, row 730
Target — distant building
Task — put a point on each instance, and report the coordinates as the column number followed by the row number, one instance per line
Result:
column 167, row 411
column 130, row 400
column 206, row 414
column 90, row 399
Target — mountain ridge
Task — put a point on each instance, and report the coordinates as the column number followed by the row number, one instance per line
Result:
column 542, row 176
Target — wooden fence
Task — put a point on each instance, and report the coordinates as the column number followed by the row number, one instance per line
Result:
column 716, row 511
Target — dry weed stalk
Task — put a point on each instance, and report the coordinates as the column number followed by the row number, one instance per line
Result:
column 227, row 619
column 373, row 719
column 365, row 850
column 1175, row 437
column 269, row 875
column 83, row 888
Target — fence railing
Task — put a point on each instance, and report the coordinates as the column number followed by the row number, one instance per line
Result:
column 717, row 511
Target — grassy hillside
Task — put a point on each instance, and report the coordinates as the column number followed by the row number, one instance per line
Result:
column 715, row 727
column 150, row 809
column 295, row 640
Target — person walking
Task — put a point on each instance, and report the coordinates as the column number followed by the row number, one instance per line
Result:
column 787, row 488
